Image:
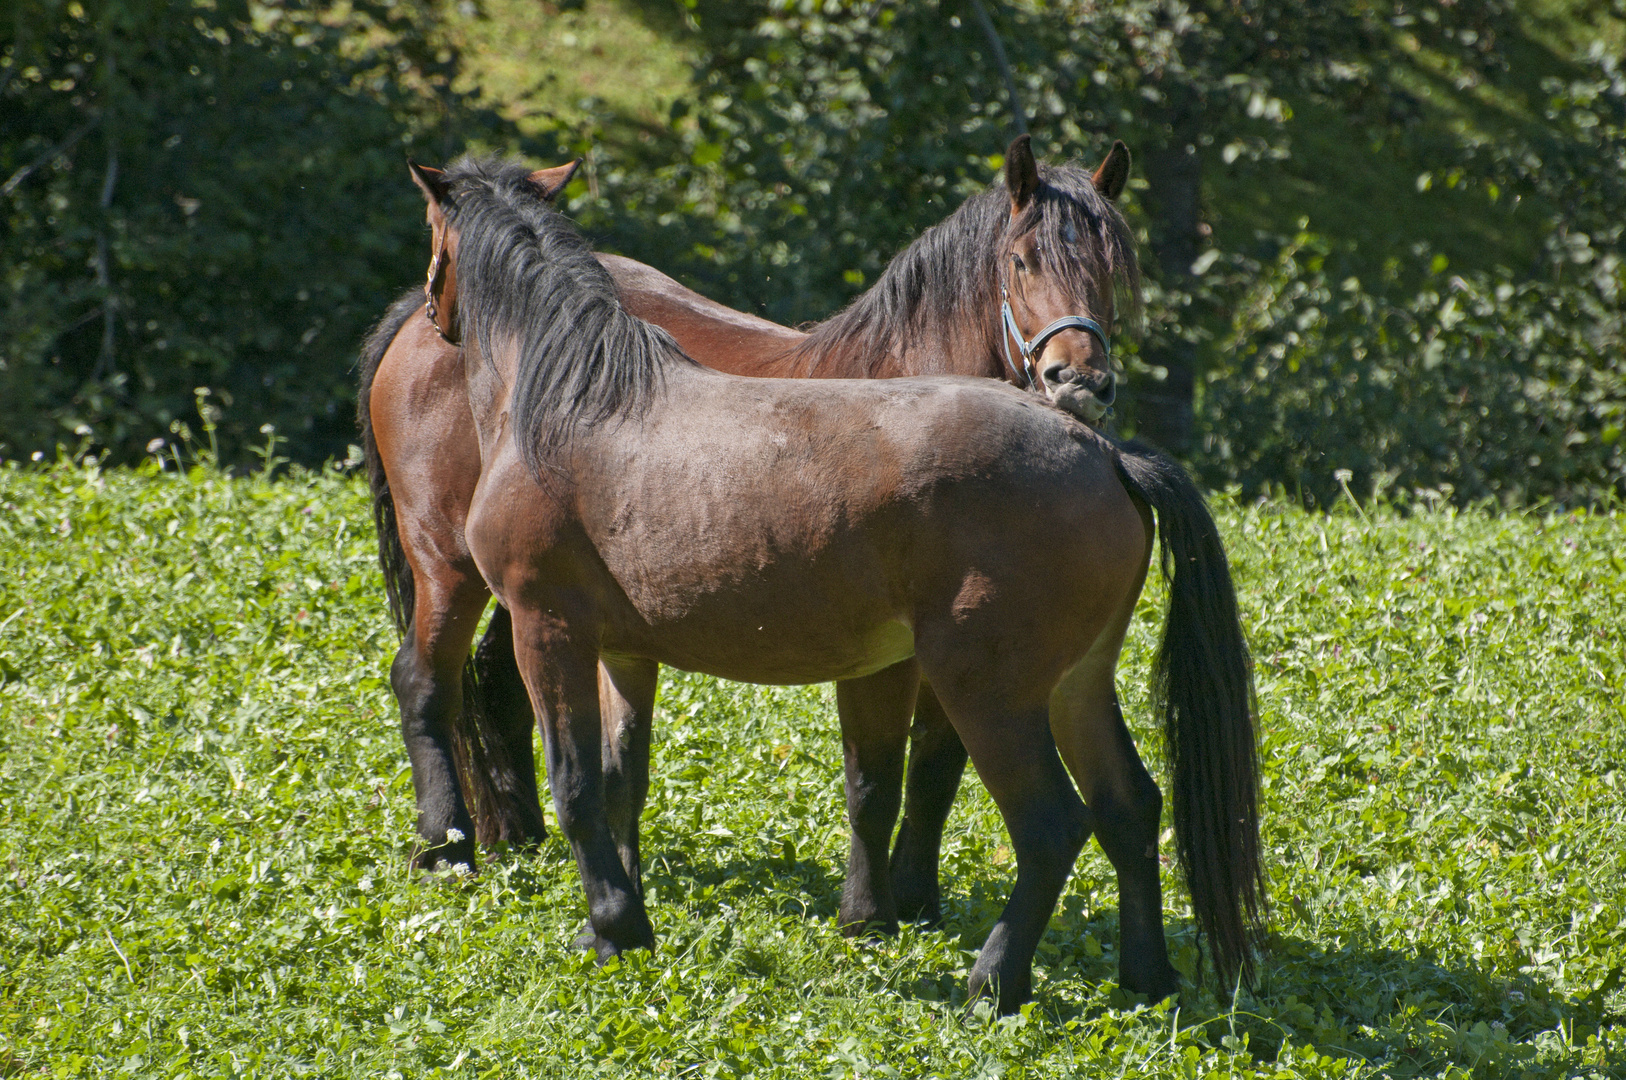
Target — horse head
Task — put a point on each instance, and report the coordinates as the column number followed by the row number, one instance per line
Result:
column 440, row 288
column 1057, row 295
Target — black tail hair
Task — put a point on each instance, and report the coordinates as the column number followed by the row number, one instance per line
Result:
column 391, row 555
column 495, row 765
column 1202, row 686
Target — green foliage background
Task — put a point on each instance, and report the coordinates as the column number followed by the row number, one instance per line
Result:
column 231, row 215
column 1385, row 236
column 205, row 818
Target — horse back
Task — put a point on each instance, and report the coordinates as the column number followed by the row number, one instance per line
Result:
column 781, row 531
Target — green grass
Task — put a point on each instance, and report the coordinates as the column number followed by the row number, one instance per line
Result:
column 205, row 816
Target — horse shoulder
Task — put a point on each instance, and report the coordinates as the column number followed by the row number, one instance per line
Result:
column 520, row 525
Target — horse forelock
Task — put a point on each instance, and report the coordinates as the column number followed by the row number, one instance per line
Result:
column 1083, row 238
column 529, row 282
column 948, row 280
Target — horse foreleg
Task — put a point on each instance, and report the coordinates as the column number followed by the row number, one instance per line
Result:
column 936, row 764
column 626, row 692
column 1125, row 809
column 427, row 679
column 874, row 713
column 561, row 673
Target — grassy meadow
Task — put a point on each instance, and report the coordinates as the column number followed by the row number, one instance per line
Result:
column 205, row 815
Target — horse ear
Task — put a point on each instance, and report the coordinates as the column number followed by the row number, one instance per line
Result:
column 432, row 182
column 1113, row 174
column 550, row 182
column 1021, row 173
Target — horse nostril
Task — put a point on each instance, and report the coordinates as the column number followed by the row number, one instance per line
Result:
column 1057, row 374
column 1096, row 382
column 1108, row 393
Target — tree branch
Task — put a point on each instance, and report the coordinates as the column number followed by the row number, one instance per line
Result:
column 56, row 151
column 1018, row 116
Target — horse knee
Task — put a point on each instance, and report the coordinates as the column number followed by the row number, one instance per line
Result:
column 413, row 676
column 1127, row 821
column 1146, row 803
column 1142, row 805
column 1053, row 838
column 414, row 684
column 1072, row 832
column 580, row 808
column 874, row 803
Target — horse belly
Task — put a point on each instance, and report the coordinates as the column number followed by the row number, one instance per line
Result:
column 769, row 655
column 760, row 612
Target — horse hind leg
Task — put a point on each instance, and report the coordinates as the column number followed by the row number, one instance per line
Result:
column 1015, row 755
column 874, row 712
column 427, row 678
column 1126, row 810
column 1125, row 804
column 936, row 764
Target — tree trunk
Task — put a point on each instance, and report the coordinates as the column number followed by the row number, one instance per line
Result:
column 1164, row 410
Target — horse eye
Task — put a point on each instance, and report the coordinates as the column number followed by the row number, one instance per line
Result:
column 1017, row 259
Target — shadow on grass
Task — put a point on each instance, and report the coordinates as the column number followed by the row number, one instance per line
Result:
column 1408, row 1012
column 798, row 886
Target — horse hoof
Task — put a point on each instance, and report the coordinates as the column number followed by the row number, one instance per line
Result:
column 1006, row 999
column 929, row 912
column 522, row 833
column 587, row 940
column 632, row 936
column 1156, row 985
column 870, row 930
column 601, row 947
column 457, row 857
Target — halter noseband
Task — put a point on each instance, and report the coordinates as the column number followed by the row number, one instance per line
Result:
column 1030, row 349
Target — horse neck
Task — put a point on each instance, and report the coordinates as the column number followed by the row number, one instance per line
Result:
column 966, row 343
column 967, row 346
column 489, row 382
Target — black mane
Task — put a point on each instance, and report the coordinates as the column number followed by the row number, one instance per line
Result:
column 527, row 280
column 947, row 281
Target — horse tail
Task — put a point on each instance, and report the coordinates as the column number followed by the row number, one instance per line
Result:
column 1202, row 683
column 391, row 555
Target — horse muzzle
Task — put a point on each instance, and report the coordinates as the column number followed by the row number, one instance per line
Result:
column 1085, row 392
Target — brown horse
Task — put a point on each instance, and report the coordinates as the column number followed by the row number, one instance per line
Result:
column 634, row 508
column 941, row 307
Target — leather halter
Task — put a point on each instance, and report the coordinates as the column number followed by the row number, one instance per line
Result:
column 1030, row 349
column 436, row 272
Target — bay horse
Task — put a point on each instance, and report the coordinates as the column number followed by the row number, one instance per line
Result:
column 635, row 508
column 964, row 299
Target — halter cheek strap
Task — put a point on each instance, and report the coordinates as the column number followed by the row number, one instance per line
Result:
column 1030, row 349
column 436, row 269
